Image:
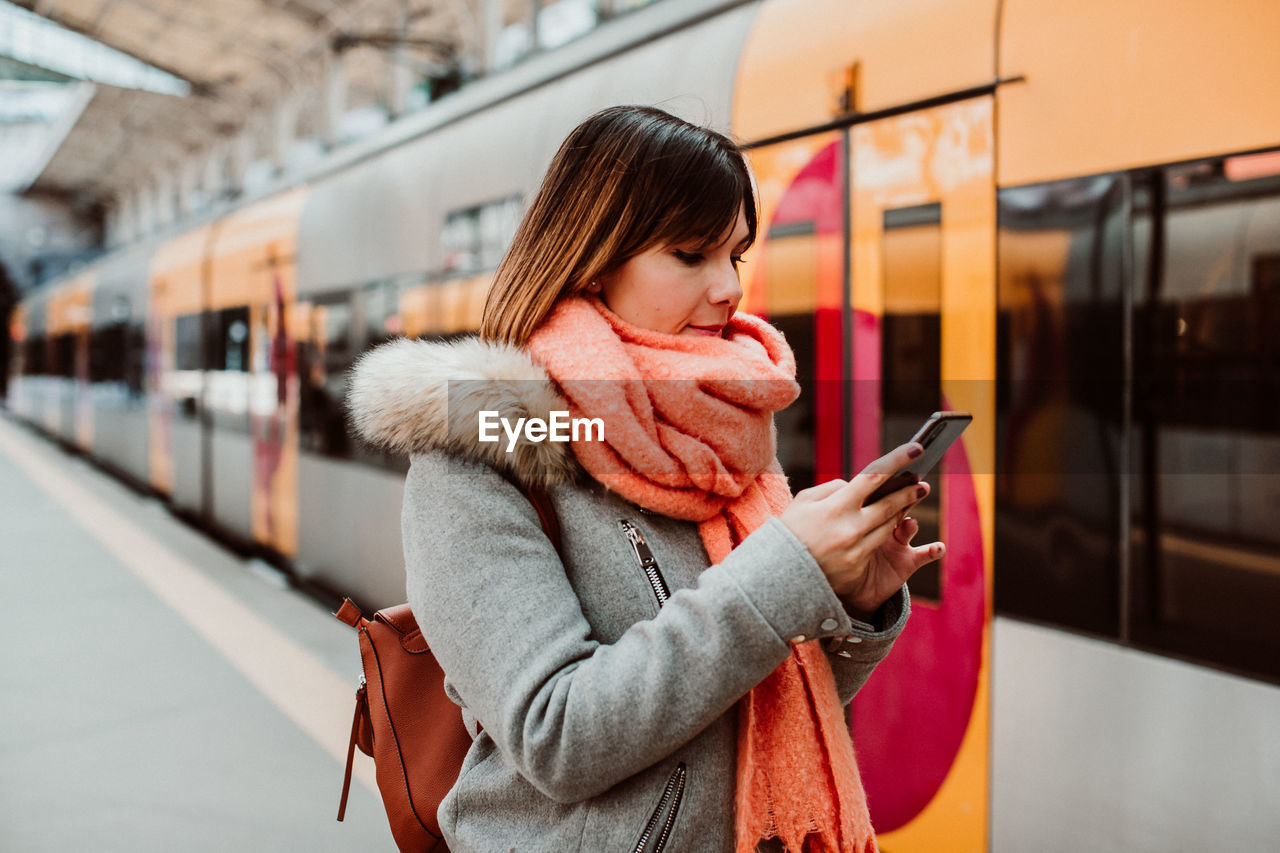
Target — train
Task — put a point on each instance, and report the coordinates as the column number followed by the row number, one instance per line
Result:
column 1063, row 218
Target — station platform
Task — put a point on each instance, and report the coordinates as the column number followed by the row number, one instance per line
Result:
column 161, row 693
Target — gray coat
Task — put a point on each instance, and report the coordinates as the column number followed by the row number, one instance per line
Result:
column 605, row 694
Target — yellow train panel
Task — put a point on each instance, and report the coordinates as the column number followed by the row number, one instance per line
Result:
column 802, row 56
column 1116, row 85
column 70, row 307
column 252, row 246
column 176, row 273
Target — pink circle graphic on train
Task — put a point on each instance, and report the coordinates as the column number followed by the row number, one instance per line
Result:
column 910, row 718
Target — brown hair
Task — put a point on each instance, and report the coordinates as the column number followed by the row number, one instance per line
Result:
column 624, row 180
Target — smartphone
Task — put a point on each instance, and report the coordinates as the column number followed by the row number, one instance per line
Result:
column 936, row 436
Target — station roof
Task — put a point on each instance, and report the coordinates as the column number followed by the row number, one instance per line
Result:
column 238, row 57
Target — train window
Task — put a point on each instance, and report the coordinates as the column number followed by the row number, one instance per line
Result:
column 64, row 355
column 135, row 361
column 911, row 352
column 325, row 356
column 476, row 238
column 1207, row 423
column 379, row 320
column 35, row 362
column 1060, row 403
column 107, row 353
column 792, row 268
column 188, row 343
column 230, row 349
column 338, row 327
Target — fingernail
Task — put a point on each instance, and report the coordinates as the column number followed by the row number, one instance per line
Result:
column 922, row 491
column 914, row 450
column 939, row 549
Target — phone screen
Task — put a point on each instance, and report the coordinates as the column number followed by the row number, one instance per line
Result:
column 936, row 435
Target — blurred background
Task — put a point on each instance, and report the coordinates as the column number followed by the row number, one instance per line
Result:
column 1064, row 219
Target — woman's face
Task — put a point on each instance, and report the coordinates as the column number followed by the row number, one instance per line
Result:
column 679, row 289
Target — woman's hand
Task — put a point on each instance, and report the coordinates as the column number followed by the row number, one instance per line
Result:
column 865, row 551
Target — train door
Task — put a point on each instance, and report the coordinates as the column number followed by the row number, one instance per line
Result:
column 252, row 372
column 177, row 415
column 922, row 335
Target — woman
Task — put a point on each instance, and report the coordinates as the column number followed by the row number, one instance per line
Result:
column 675, row 675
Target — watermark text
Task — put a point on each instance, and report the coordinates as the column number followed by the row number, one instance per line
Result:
column 559, row 427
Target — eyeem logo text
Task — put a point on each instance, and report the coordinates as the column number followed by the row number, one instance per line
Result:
column 560, row 427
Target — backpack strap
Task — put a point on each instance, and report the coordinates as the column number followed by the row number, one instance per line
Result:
column 350, row 614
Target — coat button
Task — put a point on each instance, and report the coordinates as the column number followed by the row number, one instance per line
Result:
column 845, row 654
column 829, row 624
column 853, row 639
column 798, row 639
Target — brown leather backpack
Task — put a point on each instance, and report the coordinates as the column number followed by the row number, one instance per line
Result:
column 404, row 719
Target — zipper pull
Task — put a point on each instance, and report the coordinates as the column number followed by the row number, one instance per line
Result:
column 644, row 556
column 647, row 562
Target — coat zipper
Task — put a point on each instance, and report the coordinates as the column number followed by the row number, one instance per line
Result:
column 644, row 557
column 670, row 802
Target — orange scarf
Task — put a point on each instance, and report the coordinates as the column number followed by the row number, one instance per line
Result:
column 689, row 434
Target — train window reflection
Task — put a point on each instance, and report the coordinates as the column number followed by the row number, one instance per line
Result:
column 1060, row 354
column 1206, row 412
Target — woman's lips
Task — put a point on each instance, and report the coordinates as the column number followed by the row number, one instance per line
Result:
column 713, row 331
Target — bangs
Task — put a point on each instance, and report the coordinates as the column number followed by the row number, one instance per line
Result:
column 693, row 185
column 705, row 202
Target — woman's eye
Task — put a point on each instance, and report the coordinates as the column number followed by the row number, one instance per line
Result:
column 689, row 258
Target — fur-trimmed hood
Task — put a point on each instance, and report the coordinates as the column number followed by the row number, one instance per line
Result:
column 410, row 396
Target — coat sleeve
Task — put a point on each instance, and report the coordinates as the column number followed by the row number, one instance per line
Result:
column 572, row 715
column 855, row 656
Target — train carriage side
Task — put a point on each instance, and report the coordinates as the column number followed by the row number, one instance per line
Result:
column 405, row 243
column 1126, row 473
column 1139, row 451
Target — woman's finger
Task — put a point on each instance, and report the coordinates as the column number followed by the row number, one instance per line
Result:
column 906, row 530
column 895, row 505
column 927, row 554
column 876, row 536
column 823, row 490
column 882, row 469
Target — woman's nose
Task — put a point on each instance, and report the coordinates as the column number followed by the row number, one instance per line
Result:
column 726, row 289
